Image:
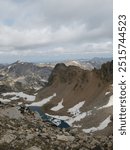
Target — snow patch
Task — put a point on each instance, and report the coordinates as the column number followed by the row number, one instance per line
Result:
column 101, row 126
column 44, row 80
column 9, row 67
column 5, row 100
column 58, row 107
column 110, row 103
column 57, row 122
column 15, row 98
column 75, row 110
column 77, row 126
column 20, row 103
column 19, row 95
column 65, row 118
column 35, row 94
column 69, row 120
column 76, row 118
column 42, row 102
column 37, row 88
column 107, row 93
column 20, row 79
column 89, row 113
column 73, row 63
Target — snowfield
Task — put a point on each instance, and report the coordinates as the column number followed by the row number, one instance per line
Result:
column 89, row 112
column 37, row 88
column 101, row 126
column 109, row 104
column 9, row 67
column 44, row 80
column 58, row 107
column 75, row 112
column 42, row 102
column 19, row 95
column 69, row 120
column 5, row 100
column 107, row 93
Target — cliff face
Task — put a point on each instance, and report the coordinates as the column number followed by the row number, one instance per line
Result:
column 67, row 75
column 106, row 71
column 62, row 73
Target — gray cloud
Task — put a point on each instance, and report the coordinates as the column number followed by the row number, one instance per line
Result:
column 43, row 28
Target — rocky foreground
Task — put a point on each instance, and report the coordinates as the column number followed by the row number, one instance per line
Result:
column 24, row 130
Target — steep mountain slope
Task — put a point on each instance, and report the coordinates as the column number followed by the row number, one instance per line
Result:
column 82, row 98
column 23, row 75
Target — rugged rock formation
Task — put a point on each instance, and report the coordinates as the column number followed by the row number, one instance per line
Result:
column 74, row 86
column 106, row 71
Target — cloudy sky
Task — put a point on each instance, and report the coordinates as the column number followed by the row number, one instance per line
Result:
column 45, row 30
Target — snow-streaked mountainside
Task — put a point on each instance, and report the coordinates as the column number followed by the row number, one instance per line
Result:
column 23, row 75
column 75, row 92
column 86, row 96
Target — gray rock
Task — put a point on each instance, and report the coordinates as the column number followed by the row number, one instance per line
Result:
column 34, row 148
column 73, row 131
column 12, row 113
column 65, row 138
column 7, row 138
column 29, row 136
column 94, row 142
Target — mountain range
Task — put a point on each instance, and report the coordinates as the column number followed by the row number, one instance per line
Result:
column 73, row 94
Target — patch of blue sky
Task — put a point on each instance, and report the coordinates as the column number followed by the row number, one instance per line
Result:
column 8, row 21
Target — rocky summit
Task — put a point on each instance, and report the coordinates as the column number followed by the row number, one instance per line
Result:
column 25, row 130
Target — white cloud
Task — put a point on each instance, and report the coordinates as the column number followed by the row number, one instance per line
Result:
column 45, row 27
